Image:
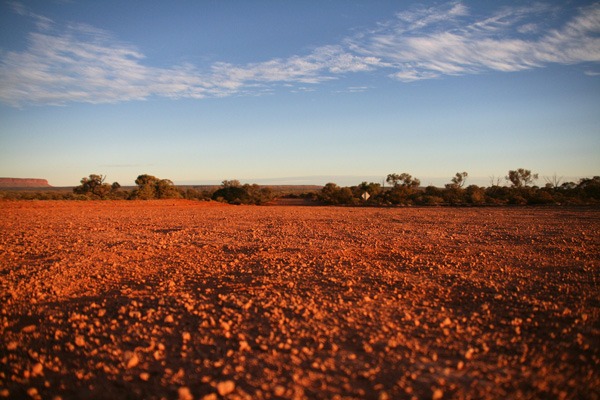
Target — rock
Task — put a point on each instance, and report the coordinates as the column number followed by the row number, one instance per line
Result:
column 23, row 183
column 469, row 353
column 225, row 326
column 360, row 321
column 131, row 359
column 183, row 393
column 225, row 388
column 37, row 370
column 79, row 341
column 279, row 390
column 244, row 346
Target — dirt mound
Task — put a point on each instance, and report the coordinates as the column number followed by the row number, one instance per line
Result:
column 23, row 183
column 176, row 299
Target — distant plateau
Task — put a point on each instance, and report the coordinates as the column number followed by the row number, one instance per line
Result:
column 24, row 183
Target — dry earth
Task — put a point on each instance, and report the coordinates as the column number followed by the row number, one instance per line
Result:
column 176, row 299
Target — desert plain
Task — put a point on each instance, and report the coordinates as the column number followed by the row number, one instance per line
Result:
column 188, row 300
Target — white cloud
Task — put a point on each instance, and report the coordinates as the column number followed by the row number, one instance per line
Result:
column 84, row 64
column 41, row 21
column 412, row 74
column 432, row 42
column 323, row 64
column 80, row 63
column 528, row 28
column 414, row 20
column 87, row 65
column 353, row 89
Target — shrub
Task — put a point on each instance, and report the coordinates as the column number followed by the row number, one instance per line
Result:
column 94, row 187
column 151, row 187
column 231, row 194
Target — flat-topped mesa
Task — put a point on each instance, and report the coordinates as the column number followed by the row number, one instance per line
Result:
column 23, row 183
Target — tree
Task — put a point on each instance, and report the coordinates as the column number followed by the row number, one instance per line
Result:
column 433, row 195
column 234, row 193
column 231, row 194
column 404, row 179
column 475, row 194
column 458, row 180
column 495, row 181
column 329, row 193
column 374, row 189
column 553, row 182
column 393, row 179
column 231, row 183
column 258, row 195
column 93, row 186
column 521, row 177
column 146, row 187
column 151, row 187
column 568, row 186
column 345, row 196
column 165, row 189
column 403, row 186
column 590, row 187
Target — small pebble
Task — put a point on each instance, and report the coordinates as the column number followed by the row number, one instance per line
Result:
column 79, row 341
column 184, row 393
column 226, row 387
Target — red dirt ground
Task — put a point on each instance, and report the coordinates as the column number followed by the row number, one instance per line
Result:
column 178, row 299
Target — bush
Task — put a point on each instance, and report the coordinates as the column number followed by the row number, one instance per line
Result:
column 232, row 195
column 475, row 194
column 233, row 192
column 151, row 187
column 94, row 187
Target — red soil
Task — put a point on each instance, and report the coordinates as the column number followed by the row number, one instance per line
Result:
column 178, row 299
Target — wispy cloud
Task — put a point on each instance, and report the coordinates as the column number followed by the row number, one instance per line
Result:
column 85, row 64
column 320, row 65
column 431, row 42
column 41, row 21
column 354, row 89
column 80, row 63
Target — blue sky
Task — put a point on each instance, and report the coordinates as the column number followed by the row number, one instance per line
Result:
column 298, row 91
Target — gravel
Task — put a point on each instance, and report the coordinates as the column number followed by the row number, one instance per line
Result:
column 197, row 300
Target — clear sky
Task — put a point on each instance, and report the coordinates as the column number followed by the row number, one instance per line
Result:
column 284, row 91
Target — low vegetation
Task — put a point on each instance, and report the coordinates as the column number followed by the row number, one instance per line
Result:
column 234, row 192
column 405, row 190
column 516, row 188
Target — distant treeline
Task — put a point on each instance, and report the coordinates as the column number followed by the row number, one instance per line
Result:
column 517, row 188
column 148, row 187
